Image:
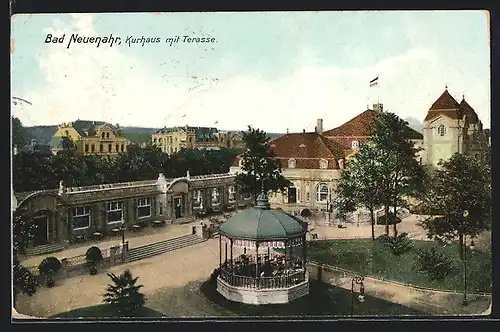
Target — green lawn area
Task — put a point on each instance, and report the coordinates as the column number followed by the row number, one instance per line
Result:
column 322, row 300
column 371, row 258
column 106, row 310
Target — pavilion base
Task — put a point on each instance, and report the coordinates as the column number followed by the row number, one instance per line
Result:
column 262, row 296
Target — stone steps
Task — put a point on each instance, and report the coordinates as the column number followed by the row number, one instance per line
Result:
column 162, row 247
column 44, row 249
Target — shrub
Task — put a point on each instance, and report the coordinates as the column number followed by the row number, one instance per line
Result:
column 93, row 255
column 124, row 293
column 397, row 245
column 48, row 266
column 24, row 281
column 434, row 263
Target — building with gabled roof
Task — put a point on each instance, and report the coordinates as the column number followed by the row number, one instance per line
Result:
column 312, row 163
column 89, row 138
column 451, row 127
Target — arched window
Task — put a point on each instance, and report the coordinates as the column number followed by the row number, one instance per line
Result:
column 291, row 163
column 107, row 135
column 102, row 135
column 355, row 144
column 322, row 192
column 323, row 164
column 441, row 130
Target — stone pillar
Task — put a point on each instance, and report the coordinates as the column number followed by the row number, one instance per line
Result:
column 64, row 266
column 112, row 254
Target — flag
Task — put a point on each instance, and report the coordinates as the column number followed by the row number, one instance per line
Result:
column 374, row 81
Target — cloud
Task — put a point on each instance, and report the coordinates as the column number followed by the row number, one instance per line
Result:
column 109, row 84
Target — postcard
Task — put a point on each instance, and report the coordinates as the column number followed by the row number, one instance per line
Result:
column 251, row 164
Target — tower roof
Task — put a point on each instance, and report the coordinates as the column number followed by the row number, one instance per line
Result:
column 470, row 114
column 445, row 105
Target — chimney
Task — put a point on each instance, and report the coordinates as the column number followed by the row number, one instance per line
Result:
column 319, row 126
column 33, row 141
column 303, row 130
column 187, row 175
column 378, row 107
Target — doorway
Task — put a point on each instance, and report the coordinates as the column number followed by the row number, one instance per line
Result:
column 292, row 195
column 40, row 231
column 178, row 207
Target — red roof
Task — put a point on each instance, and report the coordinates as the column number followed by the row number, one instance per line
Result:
column 470, row 114
column 360, row 125
column 445, row 105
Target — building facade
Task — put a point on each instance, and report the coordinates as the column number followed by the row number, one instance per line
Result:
column 65, row 214
column 172, row 140
column 89, row 138
column 452, row 127
column 312, row 163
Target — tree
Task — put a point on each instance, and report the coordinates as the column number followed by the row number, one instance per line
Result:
column 401, row 174
column 260, row 167
column 359, row 184
column 18, row 133
column 22, row 231
column 459, row 184
column 124, row 293
column 23, row 280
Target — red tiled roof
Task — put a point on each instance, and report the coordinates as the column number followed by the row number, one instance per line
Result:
column 470, row 114
column 445, row 102
column 360, row 128
column 445, row 105
column 360, row 125
column 306, row 145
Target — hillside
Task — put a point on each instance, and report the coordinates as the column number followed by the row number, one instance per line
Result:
column 415, row 124
column 137, row 135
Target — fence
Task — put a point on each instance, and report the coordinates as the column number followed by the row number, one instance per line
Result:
column 277, row 282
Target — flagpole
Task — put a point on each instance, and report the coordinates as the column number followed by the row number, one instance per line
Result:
column 378, row 90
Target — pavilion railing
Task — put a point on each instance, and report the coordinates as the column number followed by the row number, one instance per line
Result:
column 275, row 282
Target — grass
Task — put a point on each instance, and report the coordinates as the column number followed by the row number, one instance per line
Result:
column 371, row 258
column 322, row 300
column 107, row 310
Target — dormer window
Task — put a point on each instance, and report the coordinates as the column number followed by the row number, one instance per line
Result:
column 441, row 130
column 355, row 144
column 302, row 146
column 291, row 163
column 323, row 164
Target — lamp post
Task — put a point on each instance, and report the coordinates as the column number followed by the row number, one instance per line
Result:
column 464, row 248
column 357, row 280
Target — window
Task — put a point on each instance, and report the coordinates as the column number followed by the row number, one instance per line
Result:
column 154, row 140
column 308, row 197
column 115, row 212
column 107, row 135
column 102, row 135
column 86, row 148
column 110, row 146
column 81, row 217
column 321, row 192
column 123, row 147
column 441, row 130
column 93, row 148
column 117, row 146
column 143, row 207
column 240, row 162
column 197, row 196
column 291, row 163
column 101, row 148
column 355, row 144
column 161, row 208
column 232, row 193
column 215, row 195
column 247, row 195
column 323, row 164
column 66, row 132
column 159, row 140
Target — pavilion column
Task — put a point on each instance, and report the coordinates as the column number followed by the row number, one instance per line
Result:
column 220, row 251
column 232, row 272
column 225, row 260
column 257, row 260
column 304, row 250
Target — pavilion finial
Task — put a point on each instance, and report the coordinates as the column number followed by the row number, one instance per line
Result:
column 446, row 86
column 263, row 199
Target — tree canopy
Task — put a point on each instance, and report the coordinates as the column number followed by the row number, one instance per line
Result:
column 460, row 184
column 18, row 133
column 259, row 165
column 34, row 171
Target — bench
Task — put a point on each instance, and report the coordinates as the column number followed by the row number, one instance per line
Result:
column 97, row 236
column 136, row 228
column 158, row 223
column 115, row 231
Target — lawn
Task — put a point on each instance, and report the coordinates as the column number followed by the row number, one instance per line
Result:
column 107, row 310
column 322, row 300
column 371, row 258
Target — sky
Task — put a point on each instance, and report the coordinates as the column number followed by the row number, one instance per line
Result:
column 276, row 71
